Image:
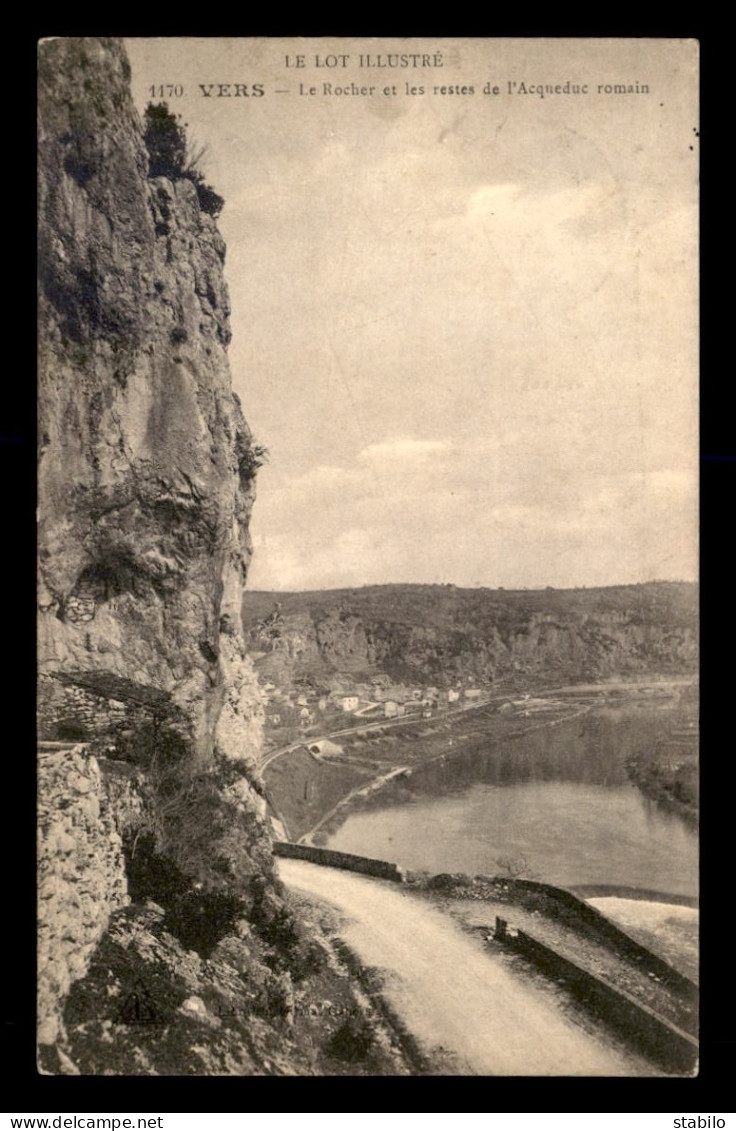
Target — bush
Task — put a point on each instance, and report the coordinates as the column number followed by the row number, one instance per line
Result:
column 159, row 744
column 200, row 919
column 169, row 155
column 249, row 463
column 515, row 867
column 352, row 1042
column 276, row 924
column 209, row 201
column 150, row 875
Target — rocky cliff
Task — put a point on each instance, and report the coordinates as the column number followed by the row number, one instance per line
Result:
column 145, row 484
column 440, row 634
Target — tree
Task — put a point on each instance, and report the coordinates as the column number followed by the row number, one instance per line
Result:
column 170, row 155
column 166, row 142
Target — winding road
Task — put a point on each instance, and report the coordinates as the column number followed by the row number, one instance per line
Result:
column 459, row 1001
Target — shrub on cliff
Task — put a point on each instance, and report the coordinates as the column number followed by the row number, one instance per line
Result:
column 294, row 949
column 250, row 461
column 169, row 155
column 352, row 1042
column 201, row 919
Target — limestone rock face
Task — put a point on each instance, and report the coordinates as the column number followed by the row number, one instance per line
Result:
column 145, row 487
column 438, row 634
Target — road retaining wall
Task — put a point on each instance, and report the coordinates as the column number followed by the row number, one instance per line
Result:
column 651, row 1034
column 569, row 908
column 382, row 869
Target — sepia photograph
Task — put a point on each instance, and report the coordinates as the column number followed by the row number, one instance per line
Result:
column 368, row 605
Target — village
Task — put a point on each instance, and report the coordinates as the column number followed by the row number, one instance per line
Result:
column 298, row 715
column 303, row 712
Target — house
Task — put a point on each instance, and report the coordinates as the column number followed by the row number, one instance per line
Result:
column 453, row 695
column 392, row 709
column 302, row 701
column 322, row 704
column 472, row 693
column 349, row 702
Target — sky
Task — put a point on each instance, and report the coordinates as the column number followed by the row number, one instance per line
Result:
column 464, row 325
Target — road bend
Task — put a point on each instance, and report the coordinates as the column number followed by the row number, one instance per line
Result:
column 453, row 995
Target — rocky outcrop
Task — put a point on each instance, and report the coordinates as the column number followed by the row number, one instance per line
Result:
column 145, row 485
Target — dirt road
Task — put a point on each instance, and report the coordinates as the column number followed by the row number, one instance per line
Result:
column 455, row 997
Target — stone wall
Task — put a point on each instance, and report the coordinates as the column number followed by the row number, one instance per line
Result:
column 63, row 707
column 559, row 903
column 328, row 858
column 81, row 876
column 656, row 1037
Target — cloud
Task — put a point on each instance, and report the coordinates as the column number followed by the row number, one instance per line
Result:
column 424, row 509
column 402, row 449
column 466, row 332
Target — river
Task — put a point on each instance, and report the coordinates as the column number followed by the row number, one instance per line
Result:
column 555, row 802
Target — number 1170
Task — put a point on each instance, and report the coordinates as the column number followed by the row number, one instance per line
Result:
column 167, row 90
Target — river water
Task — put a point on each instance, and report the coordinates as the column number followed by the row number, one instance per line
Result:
column 555, row 802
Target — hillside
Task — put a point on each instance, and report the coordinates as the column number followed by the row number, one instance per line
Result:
column 441, row 634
